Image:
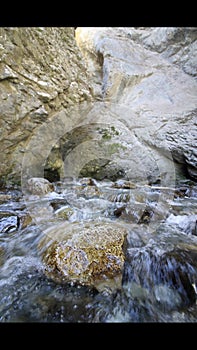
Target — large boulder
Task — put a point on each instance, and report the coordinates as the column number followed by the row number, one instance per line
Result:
column 89, row 254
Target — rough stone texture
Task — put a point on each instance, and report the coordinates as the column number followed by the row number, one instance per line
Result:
column 41, row 72
column 123, row 105
column 148, row 78
column 39, row 186
column 88, row 254
column 2, row 252
column 177, row 44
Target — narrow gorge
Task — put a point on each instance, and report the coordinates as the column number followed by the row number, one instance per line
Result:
column 98, row 171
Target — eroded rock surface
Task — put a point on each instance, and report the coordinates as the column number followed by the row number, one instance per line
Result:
column 41, row 73
column 90, row 254
column 39, row 186
column 149, row 74
column 137, row 88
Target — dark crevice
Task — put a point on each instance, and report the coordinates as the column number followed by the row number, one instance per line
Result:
column 52, row 175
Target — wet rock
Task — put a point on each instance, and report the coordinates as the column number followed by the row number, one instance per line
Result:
column 87, row 181
column 57, row 203
column 64, row 212
column 131, row 213
column 25, row 220
column 4, row 197
column 88, row 191
column 39, row 186
column 102, row 169
column 2, row 253
column 90, row 254
column 124, row 184
column 119, row 210
column 41, row 212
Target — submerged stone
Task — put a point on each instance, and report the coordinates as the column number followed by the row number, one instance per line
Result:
column 64, row 212
column 90, row 254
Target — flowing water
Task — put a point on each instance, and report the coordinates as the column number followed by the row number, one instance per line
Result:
column 159, row 279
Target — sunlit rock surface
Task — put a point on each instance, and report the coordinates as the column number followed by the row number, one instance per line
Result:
column 41, row 73
column 145, row 77
column 176, row 44
column 90, row 254
column 152, row 73
column 137, row 87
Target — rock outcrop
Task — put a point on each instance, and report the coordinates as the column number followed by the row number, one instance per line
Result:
column 41, row 73
column 149, row 76
column 121, row 104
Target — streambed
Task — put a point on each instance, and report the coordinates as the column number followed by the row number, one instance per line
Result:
column 159, row 278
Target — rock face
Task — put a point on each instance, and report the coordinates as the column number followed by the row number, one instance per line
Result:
column 41, row 72
column 89, row 255
column 149, row 75
column 98, row 102
column 177, row 45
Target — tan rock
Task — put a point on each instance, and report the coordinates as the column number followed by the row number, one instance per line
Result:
column 41, row 73
column 64, row 212
column 4, row 197
column 124, row 184
column 90, row 254
column 39, row 186
column 25, row 220
column 2, row 253
column 87, row 181
column 88, row 191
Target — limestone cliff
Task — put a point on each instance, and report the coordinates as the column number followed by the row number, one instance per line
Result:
column 100, row 102
column 149, row 75
column 41, row 72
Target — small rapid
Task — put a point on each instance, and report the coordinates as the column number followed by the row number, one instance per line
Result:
column 159, row 279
